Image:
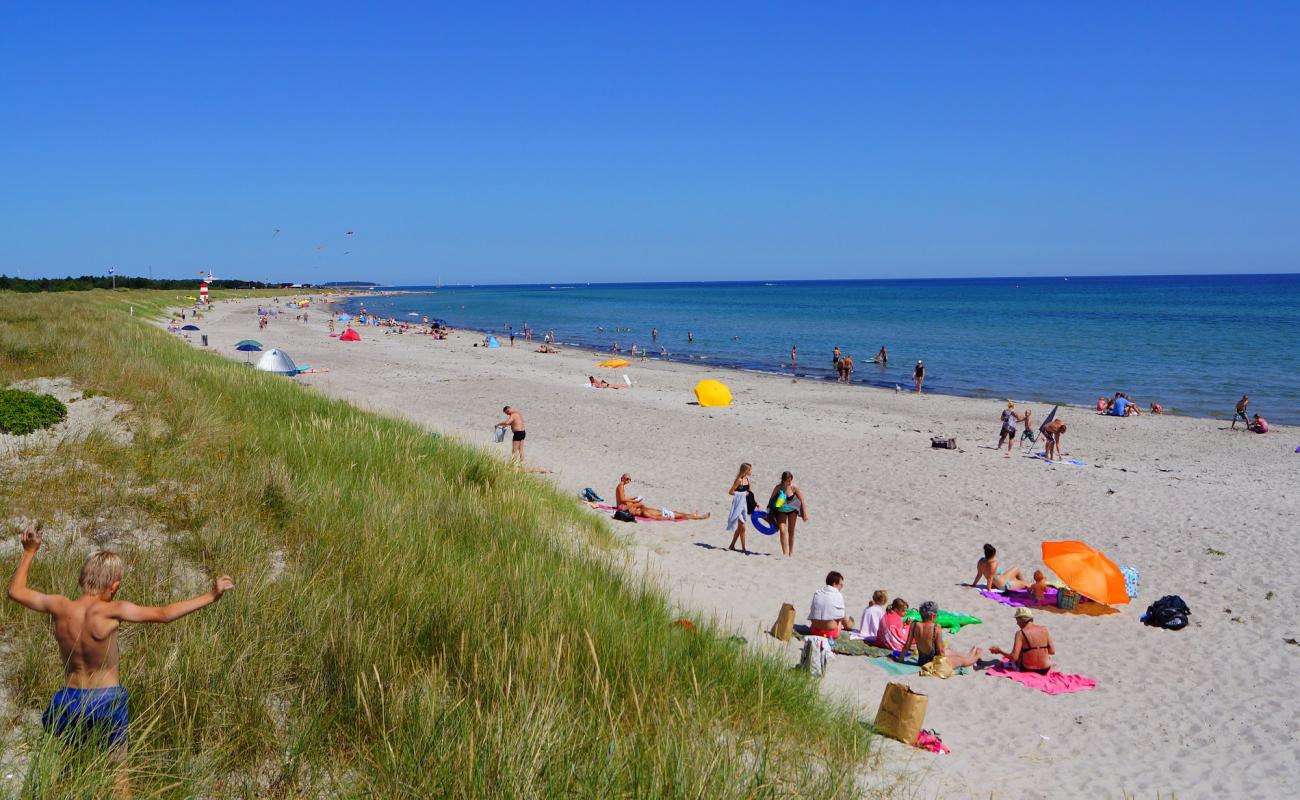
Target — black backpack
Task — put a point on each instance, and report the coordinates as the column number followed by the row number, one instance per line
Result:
column 623, row 515
column 1168, row 612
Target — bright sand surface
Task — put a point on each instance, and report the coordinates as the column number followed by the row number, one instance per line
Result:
column 1203, row 512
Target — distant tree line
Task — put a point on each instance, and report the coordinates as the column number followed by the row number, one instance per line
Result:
column 87, row 282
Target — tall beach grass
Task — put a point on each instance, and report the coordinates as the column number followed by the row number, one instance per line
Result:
column 411, row 618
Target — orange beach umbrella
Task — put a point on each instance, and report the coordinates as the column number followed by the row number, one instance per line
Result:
column 1086, row 570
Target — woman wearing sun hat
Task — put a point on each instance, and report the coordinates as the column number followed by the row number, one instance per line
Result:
column 1033, row 645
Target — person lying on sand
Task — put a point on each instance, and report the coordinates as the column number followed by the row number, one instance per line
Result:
column 602, row 384
column 927, row 637
column 988, row 569
column 660, row 513
column 827, row 616
column 637, row 505
column 92, row 708
column 1033, row 645
column 546, row 348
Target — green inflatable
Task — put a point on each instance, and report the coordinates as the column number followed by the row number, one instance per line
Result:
column 946, row 619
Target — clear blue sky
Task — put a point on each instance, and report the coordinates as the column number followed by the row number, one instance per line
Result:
column 485, row 142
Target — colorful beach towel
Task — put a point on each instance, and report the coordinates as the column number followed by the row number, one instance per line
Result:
column 1022, row 599
column 1051, row 683
column 947, row 620
column 604, row 507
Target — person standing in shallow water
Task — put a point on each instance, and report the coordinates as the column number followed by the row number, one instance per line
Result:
column 918, row 375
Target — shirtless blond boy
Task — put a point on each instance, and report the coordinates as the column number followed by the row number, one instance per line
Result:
column 93, row 705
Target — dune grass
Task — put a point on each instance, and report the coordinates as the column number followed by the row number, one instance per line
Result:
column 411, row 618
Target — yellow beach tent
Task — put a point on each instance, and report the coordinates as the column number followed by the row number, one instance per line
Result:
column 712, row 393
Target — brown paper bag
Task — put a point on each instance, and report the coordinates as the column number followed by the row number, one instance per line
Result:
column 784, row 627
column 902, row 713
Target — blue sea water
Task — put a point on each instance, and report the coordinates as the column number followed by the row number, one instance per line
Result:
column 1192, row 343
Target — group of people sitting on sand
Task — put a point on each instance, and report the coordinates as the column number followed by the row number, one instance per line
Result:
column 1121, row 405
column 884, row 626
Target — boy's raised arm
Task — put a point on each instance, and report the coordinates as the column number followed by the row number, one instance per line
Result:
column 130, row 612
column 18, row 591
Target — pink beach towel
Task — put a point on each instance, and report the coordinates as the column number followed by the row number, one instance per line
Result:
column 1051, row 683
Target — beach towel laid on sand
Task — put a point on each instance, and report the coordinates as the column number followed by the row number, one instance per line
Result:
column 1051, row 683
column 897, row 669
column 845, row 645
column 1023, row 599
column 947, row 620
column 1068, row 463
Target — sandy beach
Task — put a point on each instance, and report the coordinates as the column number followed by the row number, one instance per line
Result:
column 1201, row 511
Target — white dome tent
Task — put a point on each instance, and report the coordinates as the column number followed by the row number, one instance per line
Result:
column 277, row 361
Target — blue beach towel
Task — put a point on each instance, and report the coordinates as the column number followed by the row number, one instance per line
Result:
column 1071, row 462
column 895, row 668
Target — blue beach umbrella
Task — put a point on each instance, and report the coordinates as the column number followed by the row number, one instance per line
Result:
column 189, row 327
column 343, row 317
column 249, row 346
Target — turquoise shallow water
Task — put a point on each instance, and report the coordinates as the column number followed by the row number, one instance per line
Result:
column 1191, row 343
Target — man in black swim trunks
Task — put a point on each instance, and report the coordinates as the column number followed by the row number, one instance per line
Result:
column 515, row 422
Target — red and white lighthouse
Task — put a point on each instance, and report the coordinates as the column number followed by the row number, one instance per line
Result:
column 203, row 292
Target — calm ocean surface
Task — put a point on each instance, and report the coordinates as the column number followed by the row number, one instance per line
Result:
column 1191, row 343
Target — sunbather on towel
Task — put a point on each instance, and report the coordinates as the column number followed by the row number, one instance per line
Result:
column 602, row 384
column 988, row 569
column 638, row 507
column 927, row 637
column 1033, row 645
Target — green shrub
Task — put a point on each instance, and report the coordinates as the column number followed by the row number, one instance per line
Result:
column 23, row 412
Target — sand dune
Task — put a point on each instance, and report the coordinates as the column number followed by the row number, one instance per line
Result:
column 1203, row 512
